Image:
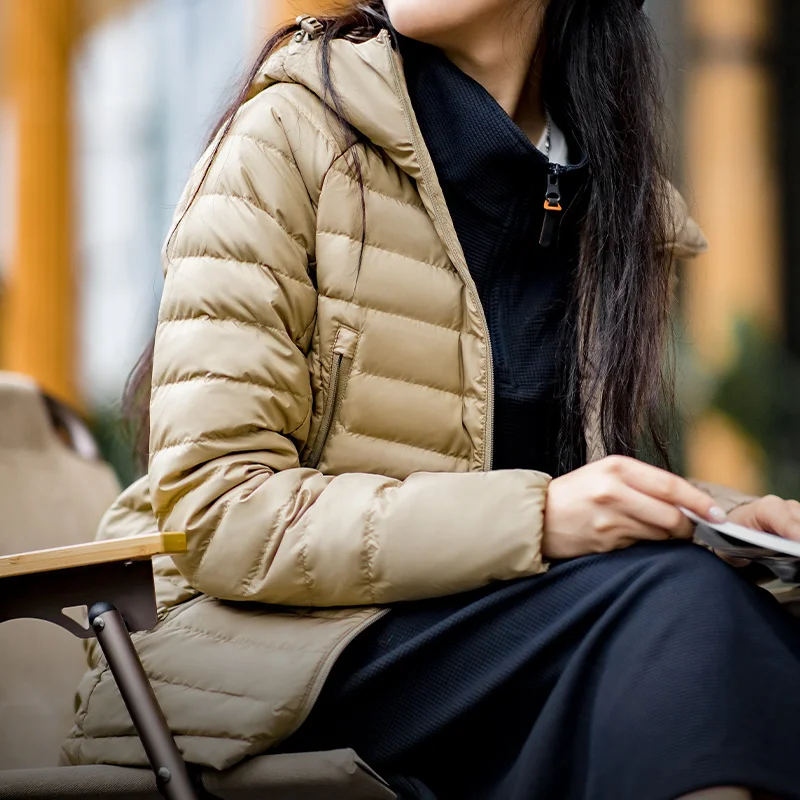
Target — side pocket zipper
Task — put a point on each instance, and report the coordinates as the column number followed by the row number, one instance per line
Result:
column 342, row 362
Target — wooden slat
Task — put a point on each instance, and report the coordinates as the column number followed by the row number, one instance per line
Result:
column 132, row 548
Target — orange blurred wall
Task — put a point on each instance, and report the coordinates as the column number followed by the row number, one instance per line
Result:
column 38, row 318
column 38, row 335
column 279, row 11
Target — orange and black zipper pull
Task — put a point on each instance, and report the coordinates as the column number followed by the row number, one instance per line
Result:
column 552, row 210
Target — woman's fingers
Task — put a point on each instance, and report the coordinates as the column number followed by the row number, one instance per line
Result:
column 665, row 486
column 616, row 501
column 775, row 515
column 655, row 515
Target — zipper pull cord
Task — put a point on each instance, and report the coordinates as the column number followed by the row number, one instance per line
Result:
column 552, row 208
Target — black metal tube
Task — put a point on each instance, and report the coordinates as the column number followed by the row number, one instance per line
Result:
column 140, row 700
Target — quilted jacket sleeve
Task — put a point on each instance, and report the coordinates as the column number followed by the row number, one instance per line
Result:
column 231, row 404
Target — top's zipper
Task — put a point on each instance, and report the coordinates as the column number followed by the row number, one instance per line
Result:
column 451, row 244
column 552, row 206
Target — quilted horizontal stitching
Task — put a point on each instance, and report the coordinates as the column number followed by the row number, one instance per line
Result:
column 172, row 682
column 266, row 736
column 128, row 506
column 209, row 439
column 228, row 379
column 245, row 642
column 337, row 160
column 373, row 310
column 105, row 675
column 311, row 121
column 221, row 737
column 128, row 502
column 404, row 444
column 231, row 260
column 262, row 326
column 265, row 145
column 459, row 395
column 372, row 246
column 84, row 710
column 372, row 190
column 252, row 201
column 176, row 581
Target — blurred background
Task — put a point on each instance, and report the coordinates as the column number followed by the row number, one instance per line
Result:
column 105, row 104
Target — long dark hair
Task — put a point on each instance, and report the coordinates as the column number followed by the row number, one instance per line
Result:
column 602, row 83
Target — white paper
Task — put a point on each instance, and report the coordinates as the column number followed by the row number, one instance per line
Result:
column 768, row 540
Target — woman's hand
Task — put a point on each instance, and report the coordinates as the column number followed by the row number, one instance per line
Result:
column 770, row 514
column 616, row 501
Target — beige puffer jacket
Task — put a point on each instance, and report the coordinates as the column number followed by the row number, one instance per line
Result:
column 320, row 429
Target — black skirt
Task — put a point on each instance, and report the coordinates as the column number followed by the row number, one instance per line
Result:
column 644, row 674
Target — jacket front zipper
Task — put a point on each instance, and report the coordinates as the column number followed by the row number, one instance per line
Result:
column 450, row 242
column 333, row 657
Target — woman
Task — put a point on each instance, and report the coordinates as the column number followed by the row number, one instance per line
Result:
column 408, row 351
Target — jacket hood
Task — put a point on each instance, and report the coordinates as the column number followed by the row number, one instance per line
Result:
column 369, row 79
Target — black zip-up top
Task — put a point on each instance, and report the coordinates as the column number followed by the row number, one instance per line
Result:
column 516, row 217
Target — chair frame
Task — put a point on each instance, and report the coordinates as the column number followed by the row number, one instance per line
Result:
column 114, row 580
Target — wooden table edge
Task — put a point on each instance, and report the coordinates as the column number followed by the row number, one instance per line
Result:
column 131, row 548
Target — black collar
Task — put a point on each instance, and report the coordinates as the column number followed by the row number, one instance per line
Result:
column 479, row 152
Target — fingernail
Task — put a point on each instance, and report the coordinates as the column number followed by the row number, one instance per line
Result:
column 717, row 514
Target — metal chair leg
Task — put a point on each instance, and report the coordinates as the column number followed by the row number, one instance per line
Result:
column 148, row 718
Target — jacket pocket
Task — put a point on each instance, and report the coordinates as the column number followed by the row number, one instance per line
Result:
column 344, row 349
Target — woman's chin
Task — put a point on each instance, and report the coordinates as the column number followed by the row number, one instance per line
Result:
column 433, row 21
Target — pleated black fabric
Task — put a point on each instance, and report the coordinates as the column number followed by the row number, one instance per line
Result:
column 644, row 674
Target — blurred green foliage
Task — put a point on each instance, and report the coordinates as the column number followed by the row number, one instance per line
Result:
column 759, row 394
column 114, row 442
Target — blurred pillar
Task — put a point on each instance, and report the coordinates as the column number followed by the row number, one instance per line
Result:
column 39, row 307
column 788, row 34
column 732, row 166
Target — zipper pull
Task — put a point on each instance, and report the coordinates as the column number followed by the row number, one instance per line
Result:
column 552, row 209
column 310, row 28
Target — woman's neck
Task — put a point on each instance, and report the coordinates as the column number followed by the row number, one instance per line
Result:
column 503, row 55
